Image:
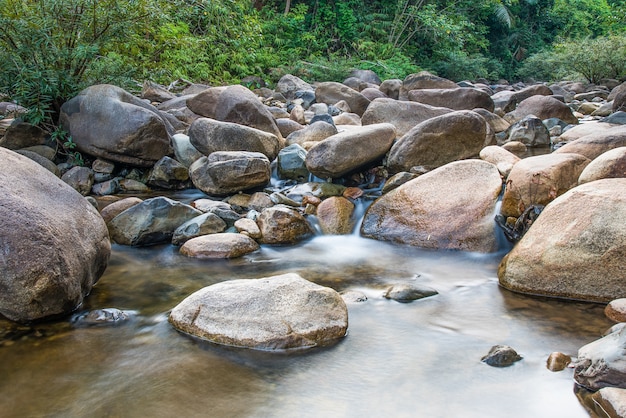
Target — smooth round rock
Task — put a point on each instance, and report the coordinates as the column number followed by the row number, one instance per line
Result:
column 616, row 310
column 225, row 245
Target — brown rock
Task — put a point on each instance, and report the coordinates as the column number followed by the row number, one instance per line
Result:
column 403, row 115
column 591, row 146
column 111, row 210
column 283, row 225
column 335, row 216
column 611, row 164
column 616, row 310
column 461, row 98
column 225, row 245
column 331, row 92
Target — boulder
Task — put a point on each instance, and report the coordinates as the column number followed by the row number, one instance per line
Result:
column 496, row 122
column 575, row 248
column 271, row 313
column 335, row 216
column 584, row 129
column 151, row 222
column 248, row 227
column 111, row 210
column 403, row 292
column 234, row 104
column 55, row 245
column 210, row 135
column 391, row 88
column 20, row 135
column 615, row 310
column 228, row 172
column 403, row 115
column 372, row 93
column 461, row 98
column 507, row 100
column 537, row 180
column 367, row 76
column 610, row 401
column 41, row 160
column 315, row 132
column 289, row 84
column 331, row 92
column 291, row 163
column 155, row 93
column 283, row 225
column 349, row 150
column 607, row 165
column 169, row 174
column 347, row 118
column 530, row 131
column 107, row 122
column 418, row 213
column 438, row 141
column 543, row 107
column 80, row 179
column 288, row 126
column 424, row 80
column 601, row 363
column 593, row 145
column 226, row 245
column 205, row 224
column 504, row 160
column 185, row 153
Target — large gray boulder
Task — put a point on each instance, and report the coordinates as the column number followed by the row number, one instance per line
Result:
column 229, row 172
column 438, row 141
column 210, row 135
column 451, row 207
column 462, row 98
column 348, row 150
column 150, row 222
column 55, row 245
column 576, row 248
column 530, row 131
column 108, row 122
column 403, row 115
column 234, row 104
column 331, row 92
column 272, row 313
column 537, row 180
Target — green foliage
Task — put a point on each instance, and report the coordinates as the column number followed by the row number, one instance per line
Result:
column 581, row 18
column 591, row 59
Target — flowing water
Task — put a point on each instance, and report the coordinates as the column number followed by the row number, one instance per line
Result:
column 419, row 359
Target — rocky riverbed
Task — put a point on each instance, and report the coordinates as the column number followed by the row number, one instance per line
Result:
column 420, row 162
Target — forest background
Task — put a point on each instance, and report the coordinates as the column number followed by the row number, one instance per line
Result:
column 51, row 49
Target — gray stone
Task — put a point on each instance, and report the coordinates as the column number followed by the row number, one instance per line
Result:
column 405, row 293
column 80, row 179
column 102, row 317
column 530, row 131
column 185, row 153
column 313, row 133
column 273, row 313
column 507, row 101
column 543, row 107
column 150, row 222
column 205, row 224
column 169, row 174
column 331, row 92
column 112, row 210
column 602, row 363
column 462, row 98
column 289, row 84
column 42, row 161
column 291, row 163
column 55, row 245
column 219, row 246
column 501, row 356
column 21, row 135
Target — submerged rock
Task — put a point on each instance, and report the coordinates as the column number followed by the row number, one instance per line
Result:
column 102, row 317
column 273, row 313
column 403, row 292
column 501, row 356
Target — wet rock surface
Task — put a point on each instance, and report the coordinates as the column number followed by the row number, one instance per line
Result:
column 501, row 356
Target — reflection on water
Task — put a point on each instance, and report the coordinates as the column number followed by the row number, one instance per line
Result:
column 420, row 359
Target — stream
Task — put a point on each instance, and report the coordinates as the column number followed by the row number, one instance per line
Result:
column 419, row 359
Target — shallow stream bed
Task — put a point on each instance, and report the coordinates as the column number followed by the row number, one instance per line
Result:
column 419, row 359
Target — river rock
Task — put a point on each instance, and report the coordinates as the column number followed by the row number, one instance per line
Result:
column 584, row 129
column 530, row 131
column 424, row 80
column 403, row 115
column 210, row 135
column 496, row 122
column 508, row 100
column 102, row 317
column 248, row 227
column 602, row 363
column 289, row 84
column 234, row 104
column 288, row 126
column 347, row 118
column 151, row 222
column 610, row 401
column 404, row 292
column 205, row 224
column 543, row 107
column 331, row 92
column 501, row 356
column 55, row 245
column 537, row 180
column 576, row 247
column 311, row 134
column 504, row 160
column 106, row 121
column 291, row 163
column 80, row 178
column 391, row 88
column 155, row 93
column 229, row 172
column 169, row 174
column 438, row 141
column 349, row 150
column 368, row 76
column 557, row 361
column 185, row 153
column 283, row 225
column 226, row 245
column 593, row 145
column 335, row 216
column 619, row 103
column 271, row 313
column 610, row 164
column 372, row 93
column 461, row 98
column 111, row 210
column 616, row 310
column 420, row 214
column 22, row 135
